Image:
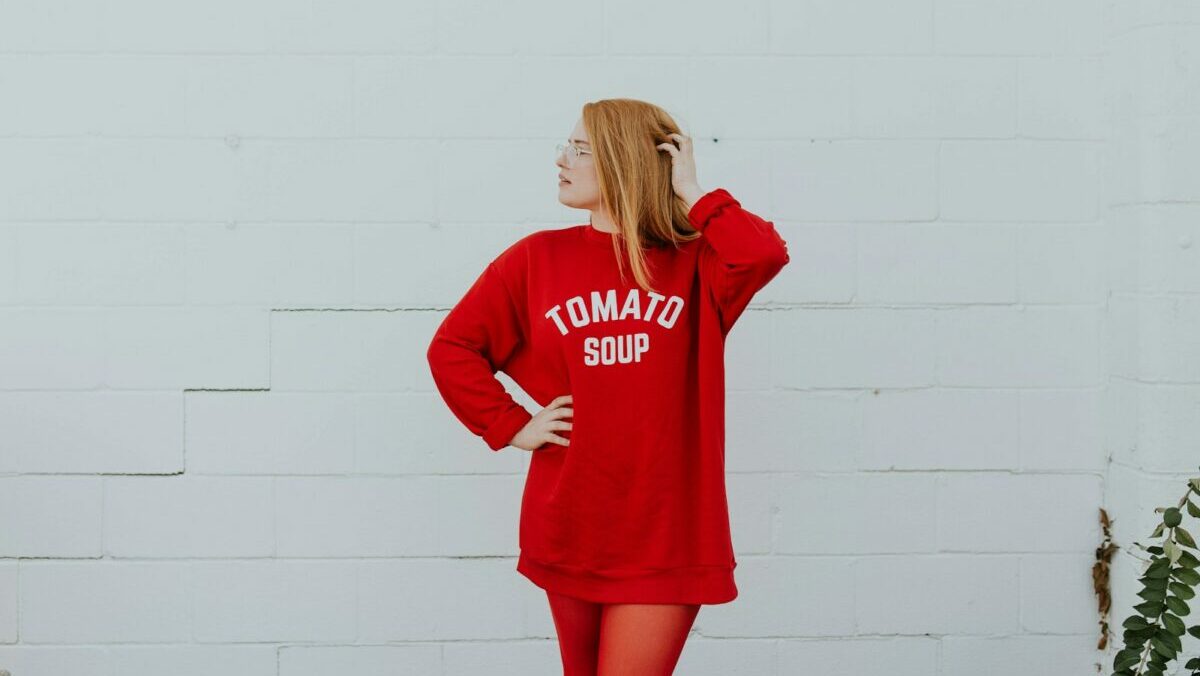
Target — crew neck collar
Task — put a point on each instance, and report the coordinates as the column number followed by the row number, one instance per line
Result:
column 592, row 234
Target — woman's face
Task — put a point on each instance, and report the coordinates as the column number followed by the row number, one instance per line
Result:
column 582, row 190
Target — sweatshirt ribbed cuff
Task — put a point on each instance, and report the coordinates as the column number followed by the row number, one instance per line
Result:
column 707, row 205
column 506, row 427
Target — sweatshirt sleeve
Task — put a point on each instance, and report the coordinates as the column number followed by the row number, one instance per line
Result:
column 476, row 339
column 743, row 252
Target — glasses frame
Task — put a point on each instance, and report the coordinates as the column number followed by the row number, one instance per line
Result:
column 573, row 156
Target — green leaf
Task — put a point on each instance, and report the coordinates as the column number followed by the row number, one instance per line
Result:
column 1158, row 530
column 1172, row 549
column 1125, row 661
column 1162, row 648
column 1149, row 608
column 1172, row 517
column 1138, row 637
column 1159, row 583
column 1177, row 605
column 1186, row 576
column 1195, row 484
column 1194, row 630
column 1126, row 658
column 1193, row 663
column 1159, row 568
column 1182, row 590
column 1188, row 560
column 1170, row 639
column 1173, row 624
column 1193, row 509
column 1184, row 537
column 1153, row 594
column 1135, row 622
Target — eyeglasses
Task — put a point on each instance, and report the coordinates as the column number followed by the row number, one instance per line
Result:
column 573, row 152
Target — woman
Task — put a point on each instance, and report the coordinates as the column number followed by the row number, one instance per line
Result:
column 624, row 521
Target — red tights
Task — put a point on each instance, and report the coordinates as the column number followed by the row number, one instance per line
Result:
column 625, row 639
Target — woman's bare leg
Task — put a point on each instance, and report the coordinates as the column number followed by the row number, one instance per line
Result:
column 643, row 639
column 578, row 625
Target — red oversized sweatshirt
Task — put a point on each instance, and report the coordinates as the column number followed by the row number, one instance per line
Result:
column 634, row 509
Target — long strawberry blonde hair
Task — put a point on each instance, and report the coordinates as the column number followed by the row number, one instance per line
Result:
column 634, row 178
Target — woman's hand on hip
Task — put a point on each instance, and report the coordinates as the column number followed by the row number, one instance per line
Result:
column 542, row 426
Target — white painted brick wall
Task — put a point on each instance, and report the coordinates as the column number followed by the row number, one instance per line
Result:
column 228, row 230
column 1151, row 399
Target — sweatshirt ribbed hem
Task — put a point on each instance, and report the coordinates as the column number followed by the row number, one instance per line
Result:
column 707, row 585
column 702, row 211
column 506, row 427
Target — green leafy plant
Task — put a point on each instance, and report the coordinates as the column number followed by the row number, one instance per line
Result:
column 1152, row 636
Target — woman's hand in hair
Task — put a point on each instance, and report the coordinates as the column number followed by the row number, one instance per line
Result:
column 683, row 169
column 541, row 429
